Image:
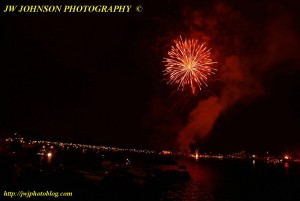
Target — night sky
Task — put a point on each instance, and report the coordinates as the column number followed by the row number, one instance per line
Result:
column 97, row 77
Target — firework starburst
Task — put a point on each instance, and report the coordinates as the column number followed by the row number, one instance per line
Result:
column 188, row 64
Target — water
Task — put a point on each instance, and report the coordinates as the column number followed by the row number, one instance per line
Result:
column 212, row 180
column 219, row 180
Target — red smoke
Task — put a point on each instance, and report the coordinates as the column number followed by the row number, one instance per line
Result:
column 245, row 51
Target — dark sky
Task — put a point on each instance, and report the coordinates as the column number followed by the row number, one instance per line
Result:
column 97, row 77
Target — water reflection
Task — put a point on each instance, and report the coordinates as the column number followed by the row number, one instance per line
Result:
column 237, row 180
column 46, row 159
column 286, row 169
column 286, row 165
column 200, row 187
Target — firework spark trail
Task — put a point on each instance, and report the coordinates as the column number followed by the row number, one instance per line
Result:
column 188, row 64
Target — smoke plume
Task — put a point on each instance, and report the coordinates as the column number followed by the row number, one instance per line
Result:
column 246, row 46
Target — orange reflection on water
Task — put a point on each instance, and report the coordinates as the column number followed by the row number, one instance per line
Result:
column 286, row 165
column 197, row 170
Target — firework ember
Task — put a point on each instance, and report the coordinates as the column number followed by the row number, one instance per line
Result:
column 188, row 64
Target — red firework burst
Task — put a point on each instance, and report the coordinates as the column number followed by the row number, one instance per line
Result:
column 188, row 64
